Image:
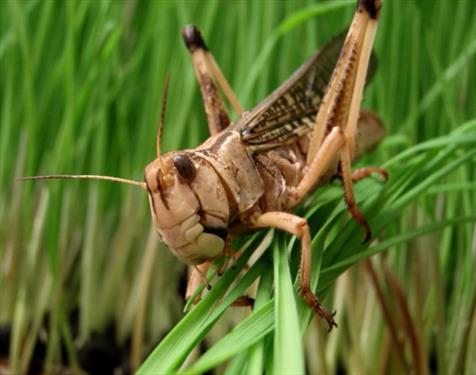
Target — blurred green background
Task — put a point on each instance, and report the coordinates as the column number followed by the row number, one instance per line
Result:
column 81, row 85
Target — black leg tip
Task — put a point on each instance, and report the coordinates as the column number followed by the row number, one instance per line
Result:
column 368, row 232
column 371, row 6
column 193, row 38
column 331, row 322
column 332, row 325
column 368, row 236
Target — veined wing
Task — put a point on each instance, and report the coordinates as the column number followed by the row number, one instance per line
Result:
column 289, row 112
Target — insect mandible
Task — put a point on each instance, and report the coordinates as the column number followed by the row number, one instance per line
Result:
column 251, row 173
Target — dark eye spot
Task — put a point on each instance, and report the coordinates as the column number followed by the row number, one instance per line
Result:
column 184, row 167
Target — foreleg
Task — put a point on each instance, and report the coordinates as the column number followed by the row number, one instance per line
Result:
column 298, row 226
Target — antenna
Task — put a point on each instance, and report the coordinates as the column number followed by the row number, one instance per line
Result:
column 85, row 177
column 162, row 117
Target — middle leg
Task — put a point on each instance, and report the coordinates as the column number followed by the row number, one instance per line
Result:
column 334, row 145
column 361, row 173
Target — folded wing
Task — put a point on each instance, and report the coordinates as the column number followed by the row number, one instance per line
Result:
column 289, row 112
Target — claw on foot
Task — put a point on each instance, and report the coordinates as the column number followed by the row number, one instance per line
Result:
column 324, row 314
column 318, row 308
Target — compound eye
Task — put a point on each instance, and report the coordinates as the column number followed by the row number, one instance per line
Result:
column 184, row 167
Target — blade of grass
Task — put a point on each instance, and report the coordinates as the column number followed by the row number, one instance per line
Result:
column 288, row 353
column 247, row 333
column 171, row 352
column 256, row 352
column 394, row 241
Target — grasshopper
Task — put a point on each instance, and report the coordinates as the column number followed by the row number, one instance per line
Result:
column 249, row 174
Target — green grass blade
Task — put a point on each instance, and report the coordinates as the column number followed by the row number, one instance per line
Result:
column 248, row 332
column 288, row 354
column 171, row 352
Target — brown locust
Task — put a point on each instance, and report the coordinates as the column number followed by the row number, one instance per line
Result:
column 251, row 173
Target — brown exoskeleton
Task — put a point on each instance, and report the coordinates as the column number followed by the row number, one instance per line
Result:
column 250, row 174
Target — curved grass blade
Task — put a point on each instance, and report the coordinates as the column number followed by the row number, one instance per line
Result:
column 175, row 347
column 248, row 332
column 394, row 241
